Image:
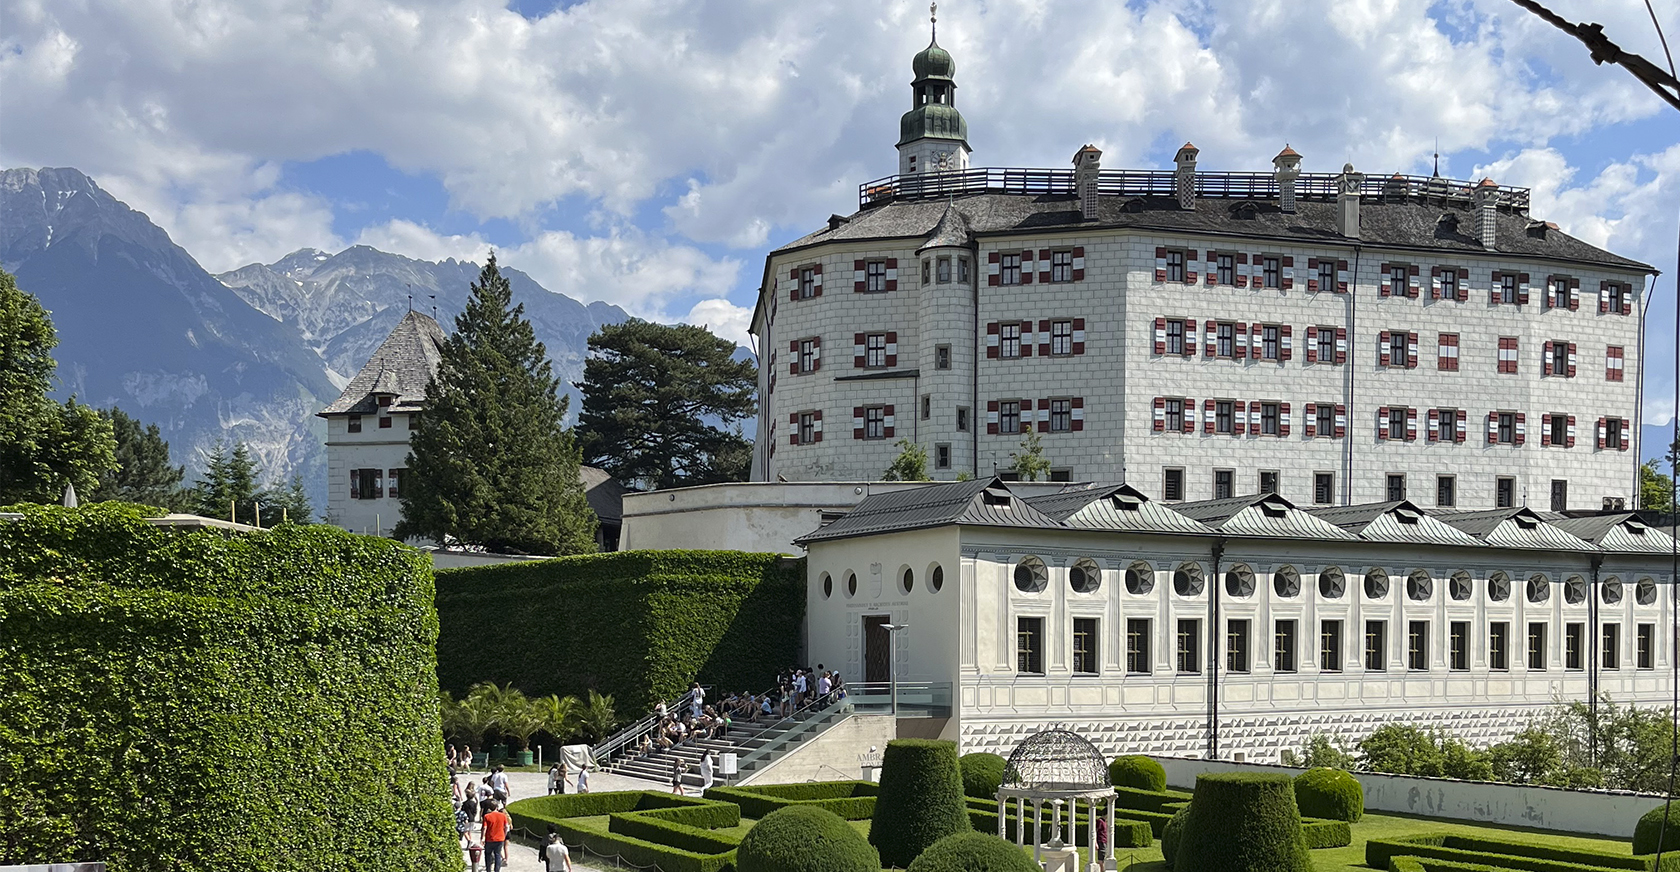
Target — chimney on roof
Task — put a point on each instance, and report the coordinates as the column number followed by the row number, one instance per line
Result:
column 1485, row 202
column 1286, row 168
column 1087, row 166
column 1348, row 187
column 1185, row 179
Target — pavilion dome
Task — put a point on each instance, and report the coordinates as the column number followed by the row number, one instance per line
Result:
column 1056, row 760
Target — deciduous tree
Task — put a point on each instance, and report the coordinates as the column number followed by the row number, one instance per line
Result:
column 909, row 465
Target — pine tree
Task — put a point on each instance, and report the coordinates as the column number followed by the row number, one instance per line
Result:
column 289, row 504
column 44, row 445
column 229, row 485
column 143, row 473
column 495, row 465
column 650, row 395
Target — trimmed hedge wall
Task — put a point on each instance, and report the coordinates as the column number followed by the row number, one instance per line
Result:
column 1243, row 822
column 638, row 827
column 921, row 799
column 1326, row 834
column 1505, row 854
column 852, row 800
column 973, row 852
column 1329, row 793
column 639, row 625
column 249, row 702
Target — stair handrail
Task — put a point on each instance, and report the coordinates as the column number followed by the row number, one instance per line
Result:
column 819, row 717
column 633, row 733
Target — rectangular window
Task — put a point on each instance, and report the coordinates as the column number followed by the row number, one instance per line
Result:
column 1172, row 484
column 1270, row 346
column 1268, row 481
column 1227, row 266
column 1449, row 283
column 1225, row 334
column 1011, row 269
column 927, row 271
column 1537, row 647
column 1010, row 341
column 1397, row 423
column 1268, row 419
column 807, row 283
column 1236, row 645
column 1396, row 486
column 1175, row 337
column 927, row 407
column 1645, row 646
column 1458, row 649
column 807, row 355
column 1417, row 646
column 1507, row 428
column 1330, row 646
column 1560, row 495
column 1499, row 646
column 1558, row 432
column 1324, row 488
column 1508, row 354
column 1029, row 646
column 1574, row 646
column 1446, row 352
column 1613, row 363
column 370, row 484
column 875, row 350
column 962, row 419
column 353, row 423
column 1617, row 294
column 1397, row 348
column 1376, row 646
column 876, row 276
column 1270, row 272
column 1061, row 416
column 1507, row 287
column 1397, row 280
column 1189, row 647
column 385, row 422
column 942, row 270
column 1061, row 266
column 1009, row 416
column 1327, row 277
column 1085, row 646
column 1446, row 491
column 1061, row 337
column 1558, row 358
column 1175, row 415
column 942, row 357
column 1224, row 484
column 1326, row 352
column 942, row 456
column 1504, row 492
column 1137, row 646
column 1222, row 417
column 875, row 422
column 1610, row 656
column 414, row 417
column 1175, row 266
column 1613, row 433
column 1283, row 647
column 1446, row 425
column 807, row 428
column 962, row 270
column 1324, row 420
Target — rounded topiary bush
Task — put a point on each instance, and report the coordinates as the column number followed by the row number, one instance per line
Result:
column 981, row 774
column 1329, row 793
column 1137, row 771
column 802, row 838
column 1243, row 822
column 1171, row 834
column 1649, row 831
column 920, row 800
column 973, row 852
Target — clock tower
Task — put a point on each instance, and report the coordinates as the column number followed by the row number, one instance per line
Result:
column 932, row 136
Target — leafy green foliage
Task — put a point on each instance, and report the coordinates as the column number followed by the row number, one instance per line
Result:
column 143, row 473
column 597, row 718
column 1243, row 822
column 1137, row 771
column 213, row 700
column 1658, row 827
column 921, row 799
column 650, row 392
column 1656, row 488
column 973, row 852
column 494, row 465
column 981, row 774
column 805, row 839
column 1030, row 462
column 1321, row 751
column 1406, row 749
column 910, row 464
column 1171, row 836
column 635, row 625
column 44, row 445
column 1331, row 794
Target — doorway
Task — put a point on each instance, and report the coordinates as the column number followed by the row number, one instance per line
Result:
column 877, row 649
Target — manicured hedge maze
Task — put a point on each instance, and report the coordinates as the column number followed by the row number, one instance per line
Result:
column 1442, row 852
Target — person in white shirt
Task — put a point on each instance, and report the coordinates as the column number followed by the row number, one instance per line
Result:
column 554, row 855
column 799, row 687
column 583, row 779
column 706, row 771
column 699, row 702
column 499, row 784
column 823, row 687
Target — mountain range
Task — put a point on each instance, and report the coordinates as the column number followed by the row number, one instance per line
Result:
column 249, row 355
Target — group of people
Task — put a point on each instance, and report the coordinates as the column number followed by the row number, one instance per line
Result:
column 459, row 759
column 559, row 772
column 482, row 823
column 802, row 686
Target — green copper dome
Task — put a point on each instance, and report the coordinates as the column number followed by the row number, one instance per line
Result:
column 933, row 62
column 933, row 121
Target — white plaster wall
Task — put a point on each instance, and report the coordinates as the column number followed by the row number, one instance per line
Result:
column 386, row 449
column 834, row 754
column 1604, row 813
column 738, row 516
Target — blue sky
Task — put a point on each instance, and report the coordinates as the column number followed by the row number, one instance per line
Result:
column 649, row 153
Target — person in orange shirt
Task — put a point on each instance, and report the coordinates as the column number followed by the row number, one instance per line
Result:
column 496, row 827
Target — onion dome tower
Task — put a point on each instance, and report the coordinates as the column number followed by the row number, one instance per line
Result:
column 932, row 136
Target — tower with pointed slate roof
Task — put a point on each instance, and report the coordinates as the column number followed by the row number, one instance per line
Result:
column 932, row 136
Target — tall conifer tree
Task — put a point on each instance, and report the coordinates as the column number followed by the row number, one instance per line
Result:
column 494, row 465
column 143, row 473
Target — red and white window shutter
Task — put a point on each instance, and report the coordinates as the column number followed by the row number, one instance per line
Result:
column 1341, row 276
column 1613, row 363
column 1079, row 264
column 1411, row 425
column 1522, row 426
column 1283, row 419
column 1286, row 342
column 991, row 417
column 1161, row 335
column 994, row 268
column 857, row 422
column 1208, row 414
column 1382, row 424
column 1492, row 428
column 1433, row 433
column 1411, row 350
column 1287, row 271
column 1312, row 275
column 1384, row 344
column 1160, row 265
column 1079, row 336
column 1341, row 421
column 1341, row 345
column 1212, row 336
column 993, row 339
column 1310, row 422
column 1312, row 344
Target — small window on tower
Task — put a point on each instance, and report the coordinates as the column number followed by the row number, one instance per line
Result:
column 912, row 163
column 354, row 423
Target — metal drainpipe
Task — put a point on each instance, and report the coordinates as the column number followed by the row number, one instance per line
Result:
column 1352, row 364
column 1213, row 652
column 1593, row 663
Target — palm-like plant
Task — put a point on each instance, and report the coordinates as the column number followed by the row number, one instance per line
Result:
column 559, row 716
column 511, row 711
column 472, row 718
column 598, row 719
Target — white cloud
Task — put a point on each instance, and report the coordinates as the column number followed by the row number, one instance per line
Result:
column 723, row 318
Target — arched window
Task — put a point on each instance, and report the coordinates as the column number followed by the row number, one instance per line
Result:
column 1332, row 584
column 1376, row 584
column 1286, row 582
column 1459, row 586
column 1187, row 580
column 1031, row 576
column 1239, row 580
column 1499, row 587
column 1539, row 588
column 1084, row 576
column 851, row 584
column 1419, row 586
column 1140, row 578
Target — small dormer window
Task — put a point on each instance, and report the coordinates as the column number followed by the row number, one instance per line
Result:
column 1273, row 509
column 384, row 400
column 1407, row 516
column 1127, row 503
column 1635, row 527
column 1133, row 206
column 998, row 496
column 353, row 423
column 1526, row 522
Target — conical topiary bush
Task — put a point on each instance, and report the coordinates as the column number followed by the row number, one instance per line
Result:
column 1243, row 822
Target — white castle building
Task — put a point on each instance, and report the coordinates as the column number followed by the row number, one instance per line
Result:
column 1237, row 626
column 1334, row 338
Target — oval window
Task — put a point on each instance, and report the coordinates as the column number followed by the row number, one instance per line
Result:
column 1539, row 589
column 1459, row 586
column 827, row 586
column 1187, row 581
column 908, row 582
column 1610, row 592
column 1376, row 584
column 1140, row 579
column 1332, row 584
column 1239, row 581
column 1286, row 582
column 936, row 580
column 1419, row 586
column 851, row 584
column 1085, row 576
column 1031, row 576
column 1575, row 590
column 1645, row 592
column 1499, row 587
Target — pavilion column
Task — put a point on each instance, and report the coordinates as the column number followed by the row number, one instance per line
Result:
column 1038, row 829
column 1091, row 825
column 1021, row 821
column 1003, row 820
column 1111, row 825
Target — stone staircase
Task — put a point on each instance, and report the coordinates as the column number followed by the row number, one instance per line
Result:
column 756, row 746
